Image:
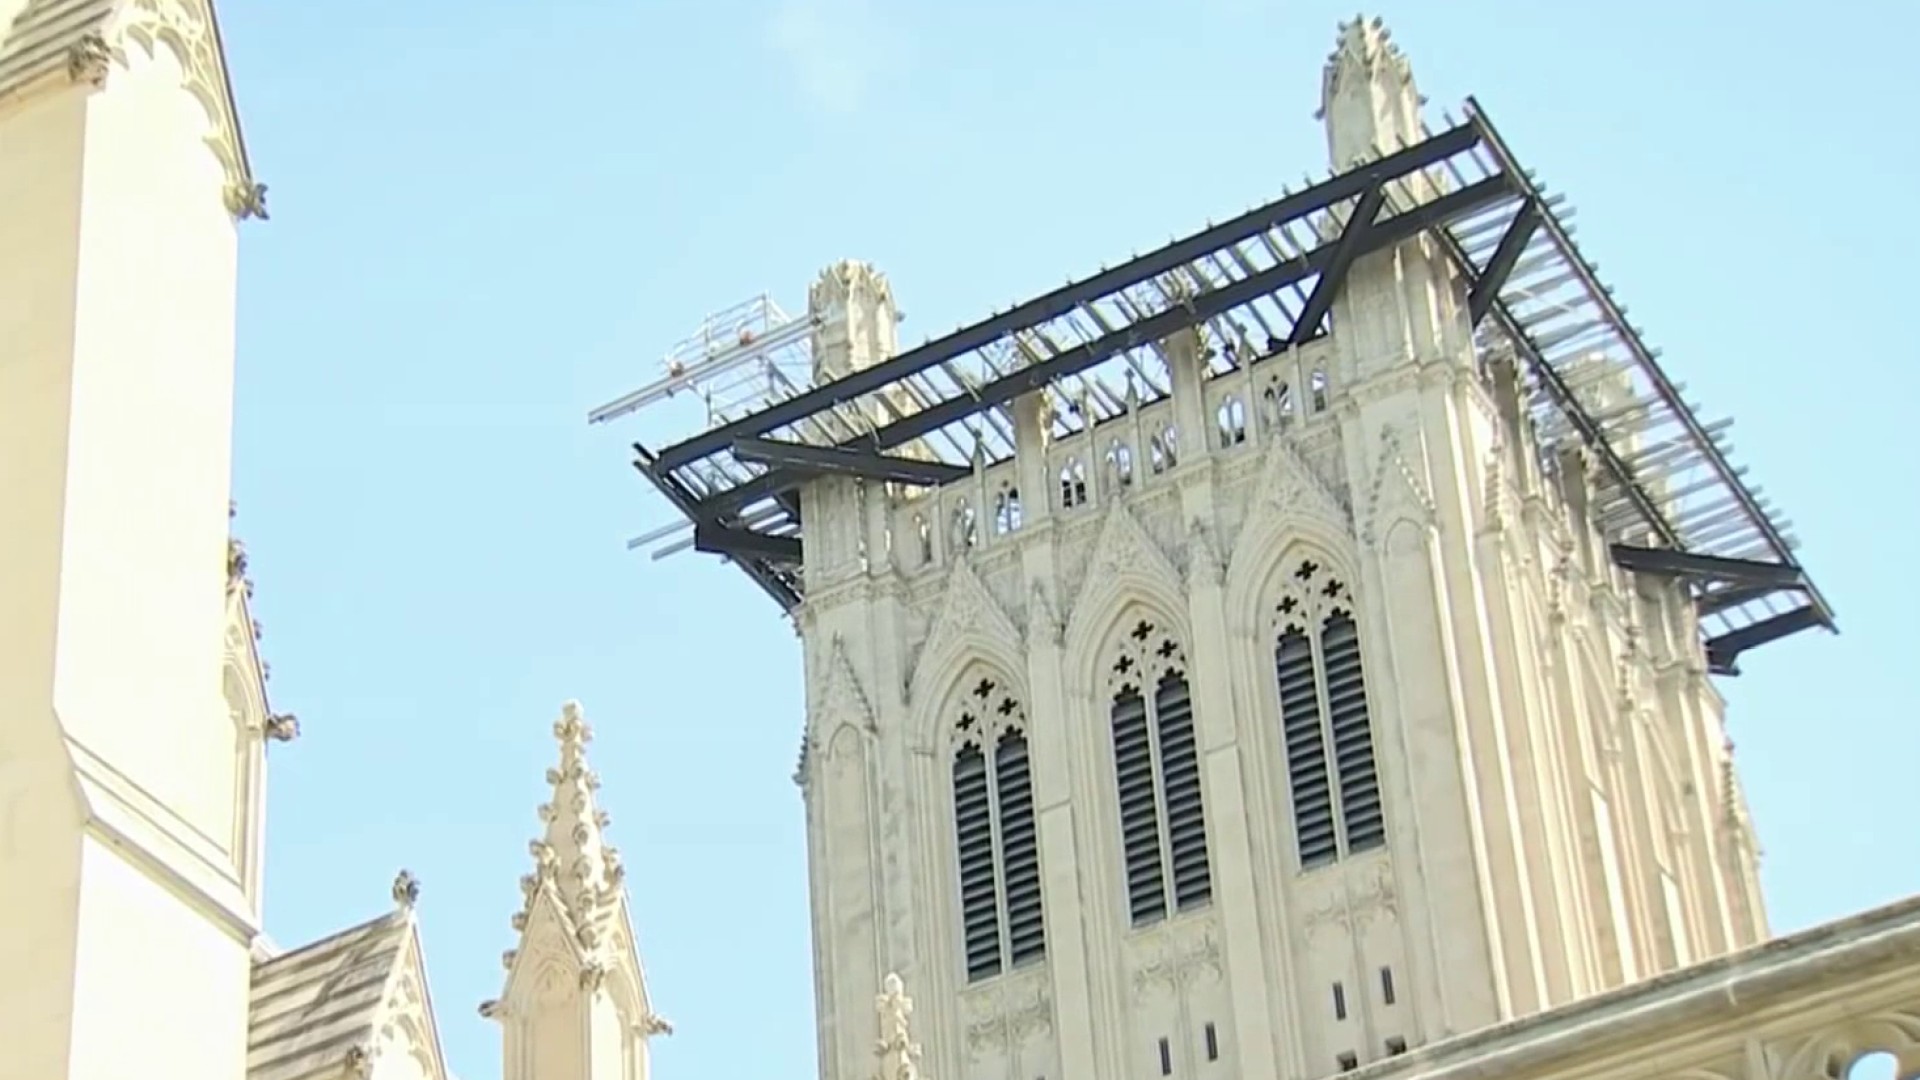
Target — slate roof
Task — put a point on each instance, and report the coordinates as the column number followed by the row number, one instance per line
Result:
column 312, row 1005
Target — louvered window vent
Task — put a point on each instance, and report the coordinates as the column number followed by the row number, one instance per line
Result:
column 1326, row 728
column 996, row 845
column 1156, row 758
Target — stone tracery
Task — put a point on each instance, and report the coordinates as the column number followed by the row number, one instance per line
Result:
column 995, row 837
column 1326, row 724
column 1162, row 818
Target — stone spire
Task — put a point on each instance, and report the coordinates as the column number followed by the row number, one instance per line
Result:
column 1367, row 95
column 573, row 856
column 575, row 1005
column 899, row 1055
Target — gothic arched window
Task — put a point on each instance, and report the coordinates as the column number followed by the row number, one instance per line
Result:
column 1073, row 484
column 1120, row 463
column 1006, row 510
column 966, row 530
column 1233, row 422
column 996, row 844
column 1277, row 404
column 1326, row 729
column 1156, row 762
column 1162, row 449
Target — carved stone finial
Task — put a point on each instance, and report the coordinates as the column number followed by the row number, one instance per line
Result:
column 406, row 890
column 855, row 319
column 246, row 199
column 571, row 729
column 1367, row 95
column 899, row 1055
column 572, row 856
column 87, row 60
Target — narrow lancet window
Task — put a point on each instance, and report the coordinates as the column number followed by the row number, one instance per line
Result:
column 1120, row 463
column 1164, row 448
column 1073, row 484
column 996, row 843
column 1006, row 511
column 1325, row 725
column 1233, row 422
column 966, row 529
column 1163, row 831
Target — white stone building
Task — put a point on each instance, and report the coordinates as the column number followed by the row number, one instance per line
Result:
column 1329, row 694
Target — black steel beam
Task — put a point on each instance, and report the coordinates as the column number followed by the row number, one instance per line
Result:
column 1684, row 564
column 1712, row 603
column 1203, row 306
column 682, row 499
column 1199, row 308
column 1649, row 366
column 1723, row 652
column 1345, row 250
column 846, row 461
column 1061, row 301
column 1487, row 284
column 745, row 543
column 1568, row 404
column 1399, row 227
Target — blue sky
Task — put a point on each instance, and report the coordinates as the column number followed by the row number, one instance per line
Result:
column 490, row 217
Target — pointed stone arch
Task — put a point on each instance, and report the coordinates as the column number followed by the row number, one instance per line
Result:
column 1262, row 559
column 1292, row 505
column 843, row 738
column 966, row 682
column 1125, row 567
column 971, row 623
column 984, row 811
column 1832, row 1054
column 546, row 938
column 1396, row 492
column 1100, row 626
column 841, row 697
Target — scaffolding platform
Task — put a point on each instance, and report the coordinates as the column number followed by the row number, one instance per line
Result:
column 1669, row 502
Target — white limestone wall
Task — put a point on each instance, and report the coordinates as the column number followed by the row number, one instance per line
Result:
column 128, row 865
column 143, row 568
column 159, row 988
column 41, row 158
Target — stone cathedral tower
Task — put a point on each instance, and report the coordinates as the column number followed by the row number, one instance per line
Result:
column 1273, row 655
column 1294, row 722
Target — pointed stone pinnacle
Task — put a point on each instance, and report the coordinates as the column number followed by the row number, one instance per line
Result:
column 1367, row 94
column 572, row 856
